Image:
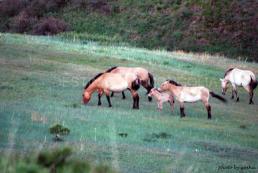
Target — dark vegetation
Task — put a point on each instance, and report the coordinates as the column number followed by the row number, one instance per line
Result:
column 59, row 130
column 59, row 160
column 225, row 27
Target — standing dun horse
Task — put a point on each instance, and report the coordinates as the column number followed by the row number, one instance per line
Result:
column 189, row 94
column 111, row 82
column 146, row 78
column 238, row 77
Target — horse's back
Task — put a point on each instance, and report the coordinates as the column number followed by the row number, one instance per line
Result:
column 241, row 77
column 114, row 82
column 142, row 73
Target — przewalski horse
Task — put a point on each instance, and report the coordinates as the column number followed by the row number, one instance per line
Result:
column 146, row 78
column 162, row 97
column 190, row 94
column 111, row 82
column 238, row 77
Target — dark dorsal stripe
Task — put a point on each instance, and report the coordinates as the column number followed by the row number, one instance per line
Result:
column 110, row 69
column 92, row 80
column 156, row 89
column 229, row 70
column 174, row 83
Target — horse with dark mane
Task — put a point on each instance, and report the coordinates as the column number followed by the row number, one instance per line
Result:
column 111, row 82
column 238, row 77
column 146, row 78
column 189, row 94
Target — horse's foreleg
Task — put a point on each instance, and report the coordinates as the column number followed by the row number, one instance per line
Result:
column 99, row 97
column 107, row 92
column 112, row 94
column 108, row 99
column 160, row 105
column 182, row 110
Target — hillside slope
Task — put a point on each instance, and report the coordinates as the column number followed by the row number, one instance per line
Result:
column 225, row 27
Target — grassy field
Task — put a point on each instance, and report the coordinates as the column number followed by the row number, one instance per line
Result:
column 41, row 83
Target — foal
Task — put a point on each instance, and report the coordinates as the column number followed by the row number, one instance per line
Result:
column 162, row 97
column 238, row 77
column 190, row 94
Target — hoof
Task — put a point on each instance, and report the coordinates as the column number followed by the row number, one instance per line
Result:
column 232, row 97
column 237, row 100
column 150, row 99
column 99, row 104
column 123, row 98
column 251, row 103
column 110, row 106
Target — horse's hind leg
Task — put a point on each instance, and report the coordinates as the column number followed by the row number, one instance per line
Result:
column 208, row 107
column 148, row 88
column 135, row 99
column 251, row 93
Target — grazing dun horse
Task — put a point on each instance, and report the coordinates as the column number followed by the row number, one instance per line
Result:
column 146, row 78
column 189, row 94
column 238, row 77
column 111, row 82
column 162, row 97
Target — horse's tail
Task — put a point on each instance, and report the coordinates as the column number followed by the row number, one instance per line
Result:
column 253, row 83
column 151, row 80
column 218, row 97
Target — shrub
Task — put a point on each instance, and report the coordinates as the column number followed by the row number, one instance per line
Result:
column 58, row 130
column 11, row 7
column 50, row 26
column 22, row 22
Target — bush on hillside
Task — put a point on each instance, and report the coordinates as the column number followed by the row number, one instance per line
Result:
column 50, row 26
column 22, row 23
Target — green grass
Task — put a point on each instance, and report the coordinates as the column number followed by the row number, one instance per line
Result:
column 42, row 79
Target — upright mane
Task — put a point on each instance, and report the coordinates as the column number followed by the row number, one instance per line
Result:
column 92, row 80
column 110, row 69
column 174, row 82
column 156, row 89
column 229, row 70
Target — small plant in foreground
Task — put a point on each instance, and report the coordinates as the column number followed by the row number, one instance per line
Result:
column 59, row 130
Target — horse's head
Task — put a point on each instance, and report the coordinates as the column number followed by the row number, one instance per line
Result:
column 152, row 92
column 164, row 86
column 86, row 97
column 224, row 86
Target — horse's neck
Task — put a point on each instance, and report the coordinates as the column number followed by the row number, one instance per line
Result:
column 92, row 88
column 175, row 90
